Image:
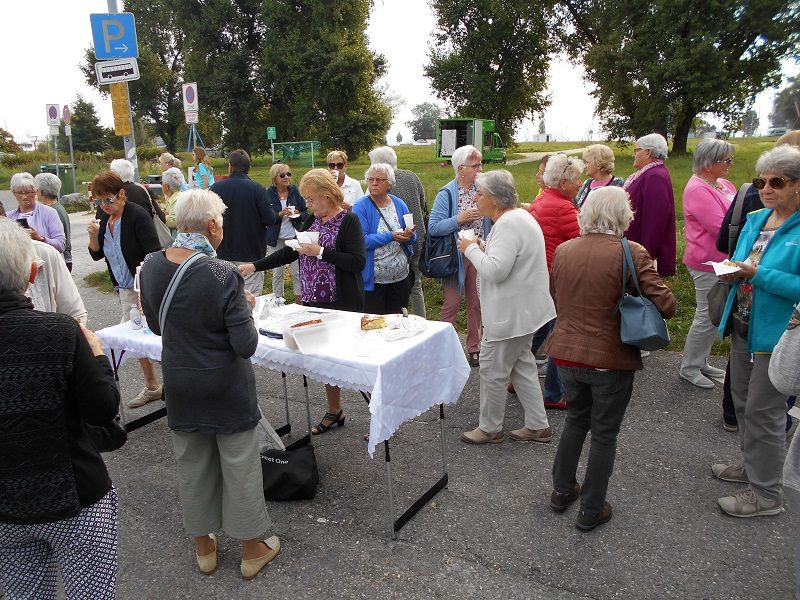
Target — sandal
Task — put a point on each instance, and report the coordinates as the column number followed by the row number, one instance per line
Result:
column 335, row 419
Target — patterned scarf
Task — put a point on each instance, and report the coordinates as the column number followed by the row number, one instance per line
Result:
column 636, row 174
column 194, row 241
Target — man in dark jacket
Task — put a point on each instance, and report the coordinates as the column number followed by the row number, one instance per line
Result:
column 246, row 219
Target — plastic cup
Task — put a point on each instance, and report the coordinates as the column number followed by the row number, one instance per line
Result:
column 468, row 234
column 409, row 219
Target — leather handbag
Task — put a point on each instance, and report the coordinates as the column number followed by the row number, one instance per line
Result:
column 641, row 324
column 439, row 256
column 290, row 474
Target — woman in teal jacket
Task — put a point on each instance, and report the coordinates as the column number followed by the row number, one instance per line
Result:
column 759, row 304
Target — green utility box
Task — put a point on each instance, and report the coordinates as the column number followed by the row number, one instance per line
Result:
column 64, row 174
column 452, row 133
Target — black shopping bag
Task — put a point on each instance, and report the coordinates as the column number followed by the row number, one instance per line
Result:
column 290, row 474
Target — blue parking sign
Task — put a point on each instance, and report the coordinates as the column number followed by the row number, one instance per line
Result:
column 114, row 35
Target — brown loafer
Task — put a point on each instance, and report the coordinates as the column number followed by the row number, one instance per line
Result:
column 478, row 436
column 586, row 523
column 532, row 435
column 252, row 567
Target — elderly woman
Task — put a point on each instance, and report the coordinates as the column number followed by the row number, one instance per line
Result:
column 172, row 183
column 168, row 161
column 653, row 202
column 389, row 243
column 759, row 305
column 599, row 160
column 41, row 222
column 455, row 209
column 203, row 171
column 49, row 187
column 515, row 303
column 596, row 367
column 290, row 207
column 58, row 509
column 409, row 189
column 213, row 423
column 330, row 271
column 123, row 236
column 135, row 192
column 706, row 199
column 539, row 179
column 337, row 165
column 558, row 217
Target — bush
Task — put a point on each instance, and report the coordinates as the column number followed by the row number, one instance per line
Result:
column 20, row 159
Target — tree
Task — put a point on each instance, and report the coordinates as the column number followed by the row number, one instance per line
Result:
column 490, row 59
column 7, row 143
column 786, row 106
column 87, row 133
column 657, row 65
column 399, row 137
column 701, row 126
column 423, row 125
column 749, row 123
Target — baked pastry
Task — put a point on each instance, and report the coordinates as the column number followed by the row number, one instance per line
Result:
column 306, row 323
column 372, row 322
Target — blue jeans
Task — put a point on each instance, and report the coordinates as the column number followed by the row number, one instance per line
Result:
column 553, row 388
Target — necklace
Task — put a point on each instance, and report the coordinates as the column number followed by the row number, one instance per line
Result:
column 713, row 184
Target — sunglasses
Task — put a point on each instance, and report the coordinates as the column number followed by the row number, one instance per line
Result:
column 339, row 165
column 776, row 183
column 108, row 200
column 285, row 174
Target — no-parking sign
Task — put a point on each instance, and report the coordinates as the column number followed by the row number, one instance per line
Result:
column 52, row 115
column 190, row 97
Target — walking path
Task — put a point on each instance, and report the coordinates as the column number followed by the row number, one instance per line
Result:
column 535, row 156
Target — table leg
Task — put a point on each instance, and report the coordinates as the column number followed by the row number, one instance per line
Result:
column 392, row 523
column 115, row 366
column 308, row 404
column 444, row 454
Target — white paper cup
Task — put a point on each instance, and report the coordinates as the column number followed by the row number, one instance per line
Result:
column 313, row 236
column 467, row 234
column 409, row 219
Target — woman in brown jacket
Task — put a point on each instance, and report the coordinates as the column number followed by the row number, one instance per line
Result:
column 596, row 368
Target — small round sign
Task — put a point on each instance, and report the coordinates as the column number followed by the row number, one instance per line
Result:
column 52, row 112
column 66, row 115
column 190, row 94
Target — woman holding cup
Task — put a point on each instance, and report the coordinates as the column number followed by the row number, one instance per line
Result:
column 389, row 235
column 289, row 206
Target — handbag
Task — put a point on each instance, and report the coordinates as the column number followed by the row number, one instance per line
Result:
column 641, row 324
column 439, row 256
column 162, row 231
column 290, row 474
column 412, row 276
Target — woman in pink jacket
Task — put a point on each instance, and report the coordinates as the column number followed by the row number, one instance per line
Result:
column 706, row 199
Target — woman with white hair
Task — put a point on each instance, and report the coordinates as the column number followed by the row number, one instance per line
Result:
column 134, row 192
column 207, row 345
column 515, row 303
column 653, row 202
column 49, row 187
column 389, row 243
column 455, row 209
column 599, row 160
column 596, row 367
column 58, row 508
column 40, row 222
column 409, row 189
column 168, row 161
column 706, row 199
column 172, row 183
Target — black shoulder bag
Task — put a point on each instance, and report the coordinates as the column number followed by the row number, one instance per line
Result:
column 439, row 256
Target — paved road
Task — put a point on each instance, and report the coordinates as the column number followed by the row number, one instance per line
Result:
column 534, row 156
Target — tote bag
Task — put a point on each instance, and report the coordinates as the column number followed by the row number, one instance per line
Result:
column 439, row 256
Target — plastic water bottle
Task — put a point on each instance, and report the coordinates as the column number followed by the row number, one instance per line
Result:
column 136, row 317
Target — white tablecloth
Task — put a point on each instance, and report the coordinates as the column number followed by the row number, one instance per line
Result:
column 405, row 377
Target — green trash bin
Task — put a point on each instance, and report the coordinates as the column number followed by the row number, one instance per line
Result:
column 65, row 171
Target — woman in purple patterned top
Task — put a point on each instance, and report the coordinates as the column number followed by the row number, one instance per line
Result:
column 330, row 270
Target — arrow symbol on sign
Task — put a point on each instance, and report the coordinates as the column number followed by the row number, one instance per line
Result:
column 124, row 47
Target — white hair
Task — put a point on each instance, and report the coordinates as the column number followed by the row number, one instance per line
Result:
column 22, row 181
column 383, row 154
column 195, row 208
column 606, row 209
column 173, row 177
column 499, row 185
column 654, row 142
column 462, row 155
column 123, row 168
column 560, row 166
column 384, row 168
column 48, row 184
column 168, row 159
column 782, row 160
column 16, row 257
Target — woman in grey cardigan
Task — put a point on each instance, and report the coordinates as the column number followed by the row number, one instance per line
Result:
column 208, row 338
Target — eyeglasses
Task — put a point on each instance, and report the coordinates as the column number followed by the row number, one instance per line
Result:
column 25, row 193
column 285, row 174
column 376, row 179
column 108, row 200
column 776, row 183
column 635, row 150
column 475, row 166
column 727, row 161
column 339, row 165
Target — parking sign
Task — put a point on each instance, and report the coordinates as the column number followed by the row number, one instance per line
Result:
column 114, row 35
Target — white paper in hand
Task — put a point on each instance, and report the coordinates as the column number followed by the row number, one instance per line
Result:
column 724, row 267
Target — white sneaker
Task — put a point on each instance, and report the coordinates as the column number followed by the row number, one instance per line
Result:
column 145, row 396
column 749, row 503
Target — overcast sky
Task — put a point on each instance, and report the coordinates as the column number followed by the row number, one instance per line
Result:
column 43, row 43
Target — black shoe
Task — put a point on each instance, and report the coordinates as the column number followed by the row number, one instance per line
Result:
column 728, row 426
column 474, row 359
column 560, row 502
column 333, row 419
column 585, row 523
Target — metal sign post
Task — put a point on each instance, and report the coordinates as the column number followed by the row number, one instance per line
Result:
column 66, row 116
column 271, row 135
column 52, row 122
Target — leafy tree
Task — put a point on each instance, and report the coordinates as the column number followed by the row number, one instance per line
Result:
column 701, row 126
column 87, row 133
column 490, row 59
column 749, row 123
column 785, row 112
column 399, row 137
column 7, row 143
column 657, row 65
column 423, row 125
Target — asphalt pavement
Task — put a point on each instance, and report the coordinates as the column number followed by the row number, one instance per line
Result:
column 491, row 533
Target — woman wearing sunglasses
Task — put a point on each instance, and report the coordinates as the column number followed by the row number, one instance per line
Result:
column 761, row 300
column 290, row 207
column 337, row 165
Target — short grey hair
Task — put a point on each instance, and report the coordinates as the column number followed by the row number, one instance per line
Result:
column 782, row 160
column 499, row 185
column 383, row 154
column 654, row 142
column 168, row 159
column 560, row 166
column 462, row 155
column 173, row 177
column 22, row 181
column 384, row 168
column 709, row 152
column 16, row 257
column 195, row 208
column 123, row 168
column 606, row 209
column 48, row 184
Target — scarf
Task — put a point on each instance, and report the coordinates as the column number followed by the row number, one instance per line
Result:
column 194, row 241
column 636, row 174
